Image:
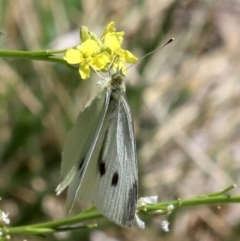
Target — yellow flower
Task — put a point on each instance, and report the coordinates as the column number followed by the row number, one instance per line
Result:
column 86, row 55
column 109, row 29
column 118, row 55
column 99, row 54
column 100, row 61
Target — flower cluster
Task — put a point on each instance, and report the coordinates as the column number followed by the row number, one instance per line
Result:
column 4, row 218
column 99, row 54
column 3, row 221
column 141, row 205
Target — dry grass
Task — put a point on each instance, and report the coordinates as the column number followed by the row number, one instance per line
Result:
column 185, row 101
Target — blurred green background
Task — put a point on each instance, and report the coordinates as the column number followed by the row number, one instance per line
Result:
column 185, row 101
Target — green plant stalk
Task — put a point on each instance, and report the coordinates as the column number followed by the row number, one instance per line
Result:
column 55, row 226
column 208, row 199
column 44, row 55
column 91, row 214
column 194, row 202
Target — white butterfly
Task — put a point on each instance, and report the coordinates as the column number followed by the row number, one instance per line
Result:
column 99, row 157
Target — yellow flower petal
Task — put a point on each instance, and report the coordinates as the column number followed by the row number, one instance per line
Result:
column 119, row 36
column 73, row 56
column 112, row 42
column 109, row 29
column 128, row 57
column 88, row 48
column 84, row 70
column 100, row 61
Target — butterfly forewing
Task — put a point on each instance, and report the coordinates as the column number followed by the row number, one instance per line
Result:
column 115, row 193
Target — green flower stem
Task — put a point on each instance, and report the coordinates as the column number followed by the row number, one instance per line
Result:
column 44, row 55
column 56, row 226
column 223, row 191
column 212, row 198
column 150, row 209
column 193, row 202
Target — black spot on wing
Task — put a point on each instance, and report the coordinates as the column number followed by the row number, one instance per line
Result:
column 102, row 168
column 115, row 179
column 101, row 162
column 81, row 163
column 130, row 205
column 80, row 167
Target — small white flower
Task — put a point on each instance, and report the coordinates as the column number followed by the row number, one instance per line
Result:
column 159, row 211
column 147, row 200
column 165, row 224
column 4, row 217
column 150, row 200
column 139, row 222
column 170, row 207
column 1, row 233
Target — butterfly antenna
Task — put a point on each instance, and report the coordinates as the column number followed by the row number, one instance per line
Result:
column 111, row 64
column 97, row 73
column 155, row 50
